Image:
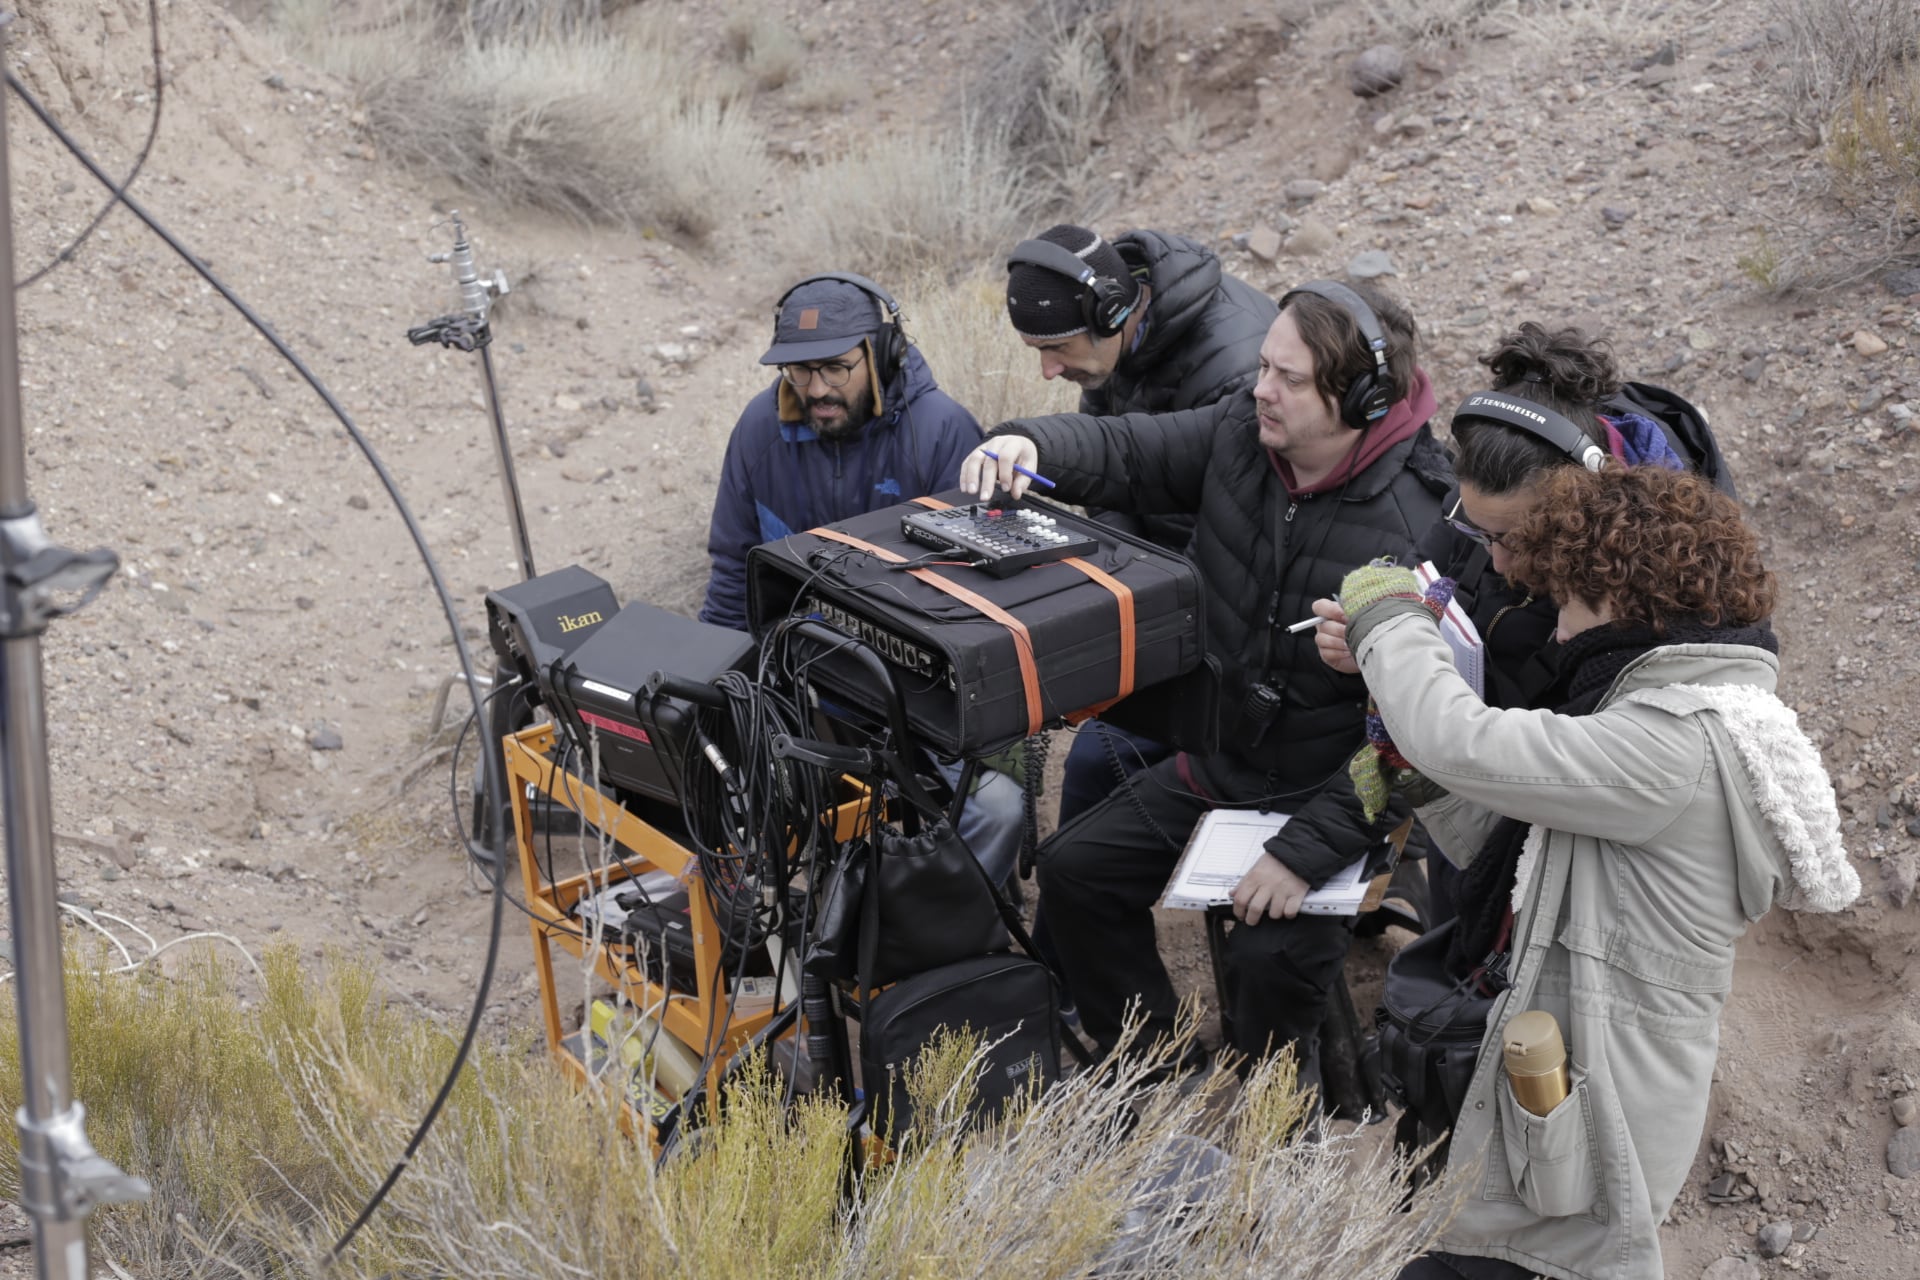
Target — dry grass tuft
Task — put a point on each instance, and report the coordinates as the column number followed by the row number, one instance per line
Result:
column 1053, row 89
column 263, row 1128
column 963, row 331
column 537, row 105
column 896, row 203
column 1850, row 74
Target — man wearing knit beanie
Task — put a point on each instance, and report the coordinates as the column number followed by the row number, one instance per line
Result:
column 1191, row 338
column 1180, row 332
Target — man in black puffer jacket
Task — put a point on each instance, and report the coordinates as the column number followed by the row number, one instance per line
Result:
column 1325, row 464
column 1188, row 335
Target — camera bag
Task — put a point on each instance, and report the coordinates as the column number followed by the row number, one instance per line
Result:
column 1006, row 1000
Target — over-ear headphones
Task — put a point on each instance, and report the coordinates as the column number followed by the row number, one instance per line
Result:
column 1107, row 302
column 889, row 339
column 1535, row 420
column 1369, row 396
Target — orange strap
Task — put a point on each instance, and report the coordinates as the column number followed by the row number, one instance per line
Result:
column 1122, row 597
column 1022, row 640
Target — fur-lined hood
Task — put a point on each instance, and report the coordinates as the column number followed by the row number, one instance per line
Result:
column 1787, row 827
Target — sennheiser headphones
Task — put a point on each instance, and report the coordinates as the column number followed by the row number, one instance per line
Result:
column 1369, row 396
column 889, row 340
column 1107, row 302
column 1535, row 420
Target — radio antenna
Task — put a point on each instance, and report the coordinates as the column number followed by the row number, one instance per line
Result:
column 468, row 330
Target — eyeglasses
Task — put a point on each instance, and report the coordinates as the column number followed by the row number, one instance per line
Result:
column 1457, row 518
column 834, row 373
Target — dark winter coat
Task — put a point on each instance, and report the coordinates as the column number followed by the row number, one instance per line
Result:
column 780, row 478
column 1263, row 557
column 1200, row 343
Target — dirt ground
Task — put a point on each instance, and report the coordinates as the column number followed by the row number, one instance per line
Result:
column 238, row 726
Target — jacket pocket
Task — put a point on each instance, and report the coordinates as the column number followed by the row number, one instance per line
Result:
column 1552, row 1158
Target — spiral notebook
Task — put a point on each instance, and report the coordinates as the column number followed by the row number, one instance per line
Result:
column 1469, row 654
column 1224, row 847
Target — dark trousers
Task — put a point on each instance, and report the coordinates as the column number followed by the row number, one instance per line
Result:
column 1088, row 777
column 1099, row 878
column 1454, row 1266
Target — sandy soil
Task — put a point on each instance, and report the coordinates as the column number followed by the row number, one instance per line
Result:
column 239, row 725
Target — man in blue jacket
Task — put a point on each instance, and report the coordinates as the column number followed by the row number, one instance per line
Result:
column 854, row 423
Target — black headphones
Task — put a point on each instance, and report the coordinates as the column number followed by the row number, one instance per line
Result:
column 1369, row 396
column 889, row 340
column 1535, row 420
column 1107, row 302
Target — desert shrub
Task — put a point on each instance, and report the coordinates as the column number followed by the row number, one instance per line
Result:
column 570, row 116
column 1850, row 74
column 263, row 1126
column 962, row 329
column 1055, row 84
column 1836, row 48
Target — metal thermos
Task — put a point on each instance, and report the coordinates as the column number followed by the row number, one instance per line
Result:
column 1536, row 1061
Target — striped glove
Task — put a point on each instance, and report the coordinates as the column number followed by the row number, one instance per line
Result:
column 1377, row 768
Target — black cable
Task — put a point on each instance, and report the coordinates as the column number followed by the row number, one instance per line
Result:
column 139, row 162
column 492, row 764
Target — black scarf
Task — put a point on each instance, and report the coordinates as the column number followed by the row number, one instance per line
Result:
column 1592, row 661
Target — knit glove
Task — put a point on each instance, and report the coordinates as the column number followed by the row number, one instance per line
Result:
column 1377, row 581
column 1378, row 769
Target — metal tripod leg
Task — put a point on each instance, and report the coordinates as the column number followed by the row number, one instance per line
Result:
column 61, row 1176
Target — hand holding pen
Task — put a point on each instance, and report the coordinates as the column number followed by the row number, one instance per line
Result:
column 1005, row 462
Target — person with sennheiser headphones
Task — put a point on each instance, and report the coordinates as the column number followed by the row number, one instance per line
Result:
column 854, row 422
column 1325, row 458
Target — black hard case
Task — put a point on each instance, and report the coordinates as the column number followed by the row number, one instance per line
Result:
column 977, row 705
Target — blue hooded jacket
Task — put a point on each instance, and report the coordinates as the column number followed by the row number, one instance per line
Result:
column 780, row 478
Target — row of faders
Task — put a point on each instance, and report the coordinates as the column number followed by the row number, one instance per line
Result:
column 999, row 540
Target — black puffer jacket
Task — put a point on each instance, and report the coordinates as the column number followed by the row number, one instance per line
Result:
column 1264, row 557
column 1203, row 331
column 1200, row 345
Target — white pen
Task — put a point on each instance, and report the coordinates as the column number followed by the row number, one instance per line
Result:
column 1307, row 624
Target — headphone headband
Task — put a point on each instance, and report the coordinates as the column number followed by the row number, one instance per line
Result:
column 889, row 338
column 889, row 309
column 1369, row 397
column 1105, row 305
column 1536, row 420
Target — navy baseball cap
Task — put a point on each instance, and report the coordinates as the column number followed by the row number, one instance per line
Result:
column 820, row 320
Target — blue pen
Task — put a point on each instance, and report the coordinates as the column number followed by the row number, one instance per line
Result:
column 1034, row 476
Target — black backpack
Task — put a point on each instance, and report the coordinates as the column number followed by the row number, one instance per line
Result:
column 1685, row 425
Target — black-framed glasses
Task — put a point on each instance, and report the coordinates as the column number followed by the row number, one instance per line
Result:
column 1457, row 518
column 832, row 372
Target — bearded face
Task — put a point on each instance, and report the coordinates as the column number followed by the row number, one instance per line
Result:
column 838, row 413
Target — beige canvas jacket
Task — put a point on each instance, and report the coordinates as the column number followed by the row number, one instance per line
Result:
column 1683, row 808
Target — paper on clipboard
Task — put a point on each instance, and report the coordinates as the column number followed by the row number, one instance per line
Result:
column 1224, row 847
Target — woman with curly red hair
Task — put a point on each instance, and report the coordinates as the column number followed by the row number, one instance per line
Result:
column 1668, row 802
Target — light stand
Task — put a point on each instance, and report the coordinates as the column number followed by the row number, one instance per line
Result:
column 468, row 330
column 61, row 1176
